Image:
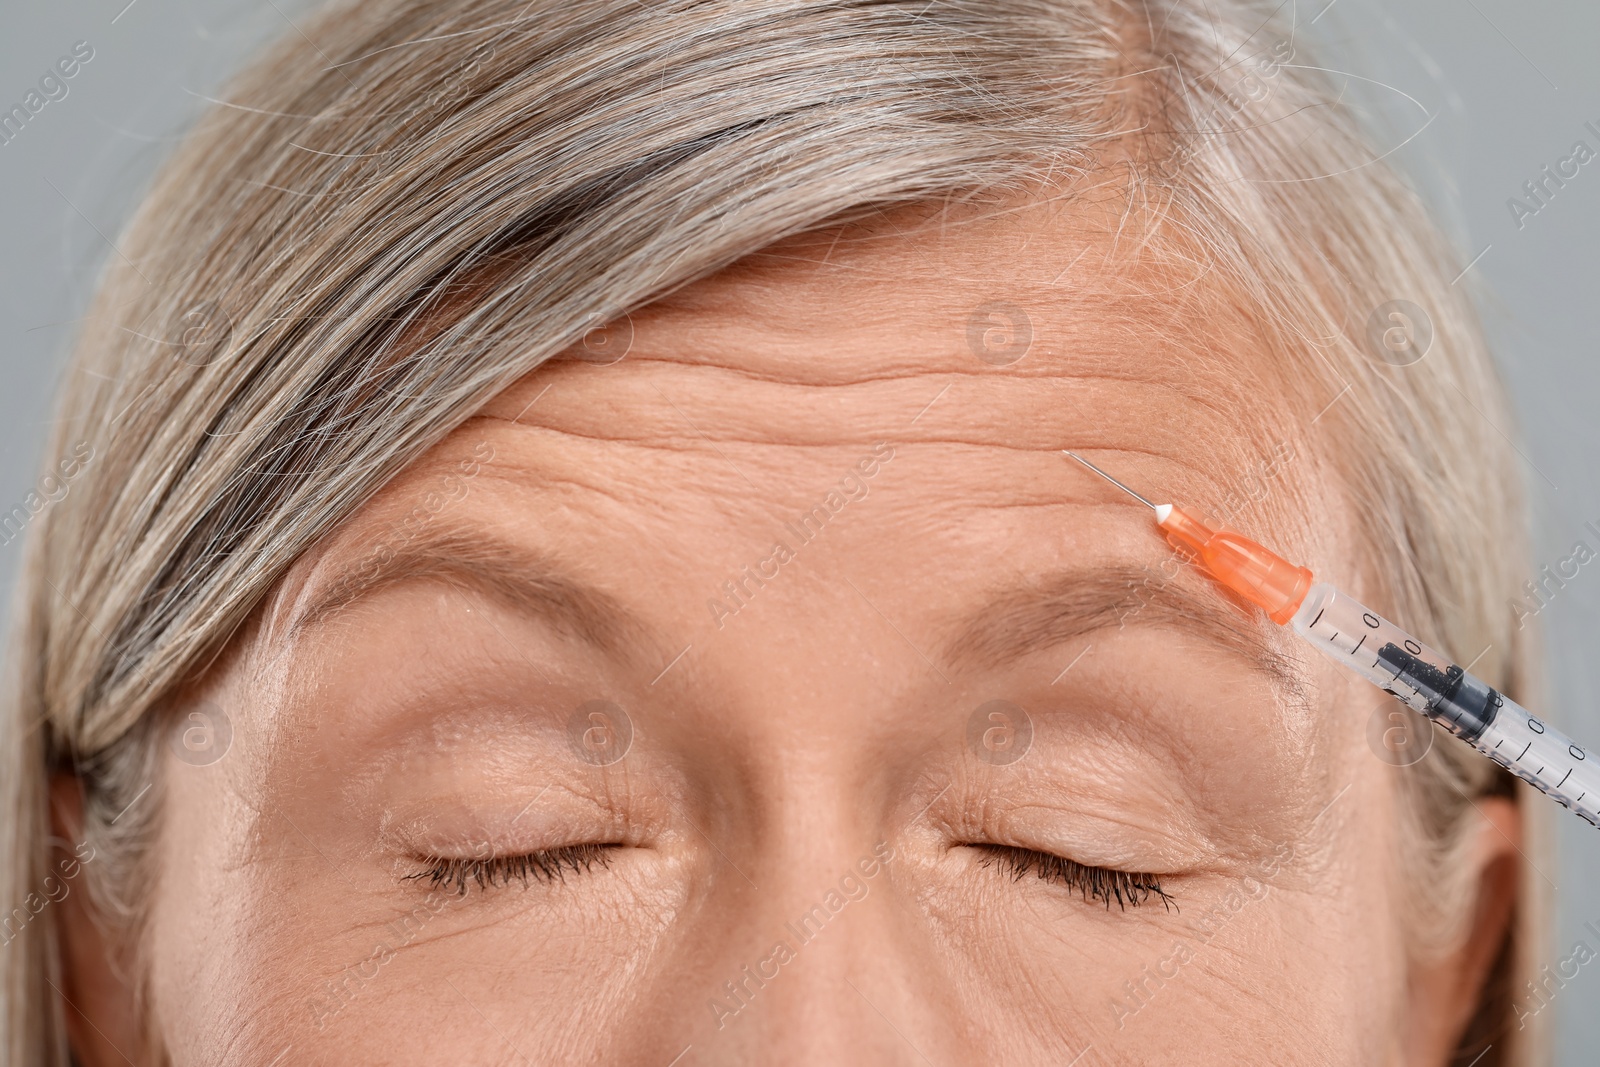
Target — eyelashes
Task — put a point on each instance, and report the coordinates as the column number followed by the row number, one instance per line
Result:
column 1127, row 888
column 544, row 867
column 549, row 866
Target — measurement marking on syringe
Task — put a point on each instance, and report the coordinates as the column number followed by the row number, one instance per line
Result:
column 1524, row 752
column 1564, row 777
column 1359, row 643
column 1314, row 621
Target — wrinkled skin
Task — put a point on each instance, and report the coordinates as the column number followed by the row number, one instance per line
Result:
column 810, row 753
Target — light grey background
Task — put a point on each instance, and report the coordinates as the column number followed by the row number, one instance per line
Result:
column 1476, row 95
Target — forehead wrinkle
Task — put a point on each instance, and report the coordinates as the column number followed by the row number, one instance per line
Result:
column 996, row 463
column 701, row 407
column 817, row 343
column 692, row 401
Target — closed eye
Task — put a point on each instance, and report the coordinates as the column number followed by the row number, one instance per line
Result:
column 545, row 866
column 1127, row 888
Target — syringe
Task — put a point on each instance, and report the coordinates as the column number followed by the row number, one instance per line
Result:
column 1387, row 656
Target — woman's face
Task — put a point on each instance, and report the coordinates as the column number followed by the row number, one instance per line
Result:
column 779, row 693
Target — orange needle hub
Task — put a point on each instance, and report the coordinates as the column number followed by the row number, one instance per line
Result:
column 1255, row 573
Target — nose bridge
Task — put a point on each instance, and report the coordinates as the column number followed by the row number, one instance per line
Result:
column 815, row 961
column 826, row 961
column 830, row 982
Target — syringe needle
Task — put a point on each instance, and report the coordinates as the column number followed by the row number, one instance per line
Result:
column 1112, row 480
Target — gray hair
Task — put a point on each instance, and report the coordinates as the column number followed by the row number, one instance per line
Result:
column 378, row 232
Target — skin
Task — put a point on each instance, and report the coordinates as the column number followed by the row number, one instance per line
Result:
column 816, row 740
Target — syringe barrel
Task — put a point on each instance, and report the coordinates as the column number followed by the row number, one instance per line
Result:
column 1394, row 661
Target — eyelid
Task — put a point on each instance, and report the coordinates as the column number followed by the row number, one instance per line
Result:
column 1099, row 824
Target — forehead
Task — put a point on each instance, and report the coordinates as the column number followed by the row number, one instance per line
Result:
column 991, row 335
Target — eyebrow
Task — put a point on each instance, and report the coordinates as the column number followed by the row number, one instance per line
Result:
column 1015, row 621
column 526, row 580
column 1046, row 612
